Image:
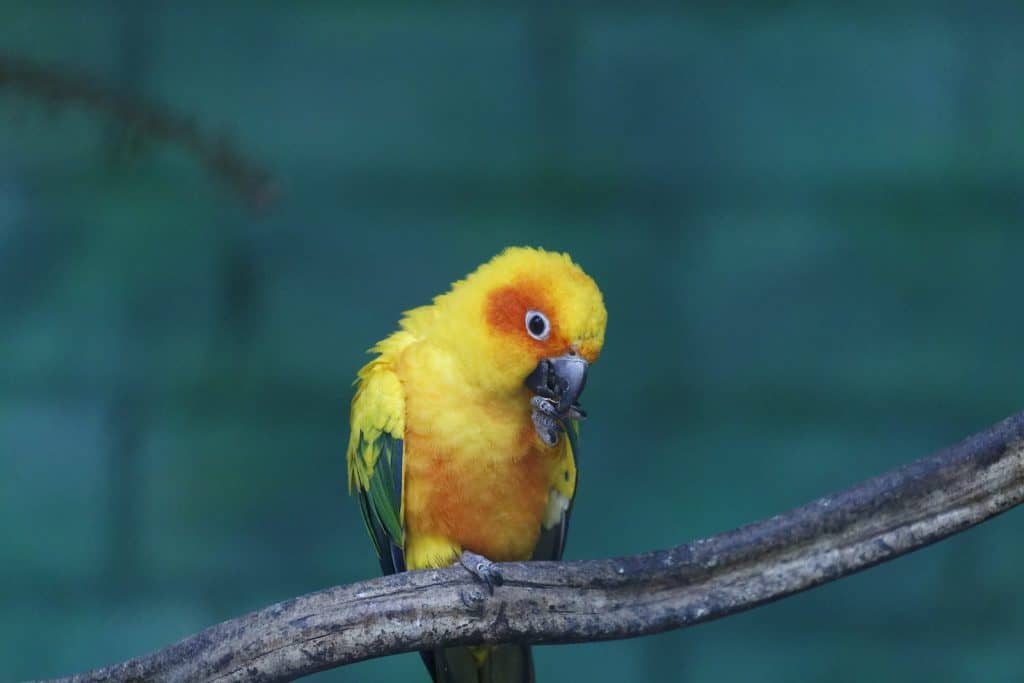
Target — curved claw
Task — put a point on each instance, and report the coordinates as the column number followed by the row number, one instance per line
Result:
column 576, row 412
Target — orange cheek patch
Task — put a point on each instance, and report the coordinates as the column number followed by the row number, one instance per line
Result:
column 507, row 307
column 506, row 313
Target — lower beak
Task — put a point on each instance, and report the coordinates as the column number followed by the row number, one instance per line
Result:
column 561, row 378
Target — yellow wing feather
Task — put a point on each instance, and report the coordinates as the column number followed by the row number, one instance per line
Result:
column 374, row 455
column 377, row 408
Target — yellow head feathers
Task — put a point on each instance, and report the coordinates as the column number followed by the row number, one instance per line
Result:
column 521, row 306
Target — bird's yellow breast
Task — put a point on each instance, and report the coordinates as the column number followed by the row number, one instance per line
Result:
column 475, row 475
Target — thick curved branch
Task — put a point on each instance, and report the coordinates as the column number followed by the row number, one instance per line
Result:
column 546, row 602
column 145, row 119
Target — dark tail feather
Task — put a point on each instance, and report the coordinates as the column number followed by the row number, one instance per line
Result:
column 504, row 664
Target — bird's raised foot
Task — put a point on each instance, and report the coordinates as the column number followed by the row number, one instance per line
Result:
column 545, row 419
column 482, row 569
column 548, row 422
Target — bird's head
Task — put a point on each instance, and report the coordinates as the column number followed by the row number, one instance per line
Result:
column 528, row 317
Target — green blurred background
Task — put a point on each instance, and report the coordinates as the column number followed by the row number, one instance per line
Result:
column 805, row 219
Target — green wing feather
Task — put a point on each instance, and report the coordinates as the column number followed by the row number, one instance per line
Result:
column 375, row 460
column 385, row 486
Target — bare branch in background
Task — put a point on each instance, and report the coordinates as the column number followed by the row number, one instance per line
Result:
column 60, row 85
column 547, row 602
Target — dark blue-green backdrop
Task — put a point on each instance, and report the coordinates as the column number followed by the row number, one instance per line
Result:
column 806, row 220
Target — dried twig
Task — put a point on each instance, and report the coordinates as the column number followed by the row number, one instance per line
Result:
column 545, row 602
column 62, row 86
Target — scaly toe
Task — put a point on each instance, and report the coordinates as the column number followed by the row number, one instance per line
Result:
column 482, row 568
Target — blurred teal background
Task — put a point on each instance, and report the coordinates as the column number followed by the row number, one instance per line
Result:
column 806, row 220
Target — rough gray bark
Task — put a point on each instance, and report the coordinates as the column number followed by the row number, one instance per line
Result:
column 545, row 602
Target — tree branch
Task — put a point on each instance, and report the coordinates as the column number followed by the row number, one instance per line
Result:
column 547, row 602
column 146, row 119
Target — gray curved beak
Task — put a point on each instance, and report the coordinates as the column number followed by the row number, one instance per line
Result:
column 561, row 378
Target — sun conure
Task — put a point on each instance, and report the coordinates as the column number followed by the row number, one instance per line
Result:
column 463, row 443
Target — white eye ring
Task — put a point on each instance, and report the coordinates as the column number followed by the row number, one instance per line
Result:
column 537, row 325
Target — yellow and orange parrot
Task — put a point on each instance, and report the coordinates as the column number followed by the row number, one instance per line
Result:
column 457, row 450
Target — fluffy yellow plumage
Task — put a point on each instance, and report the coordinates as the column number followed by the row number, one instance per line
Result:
column 447, row 449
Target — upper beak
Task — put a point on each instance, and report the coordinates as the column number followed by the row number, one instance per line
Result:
column 561, row 378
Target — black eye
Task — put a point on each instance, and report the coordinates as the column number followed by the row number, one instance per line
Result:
column 537, row 325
